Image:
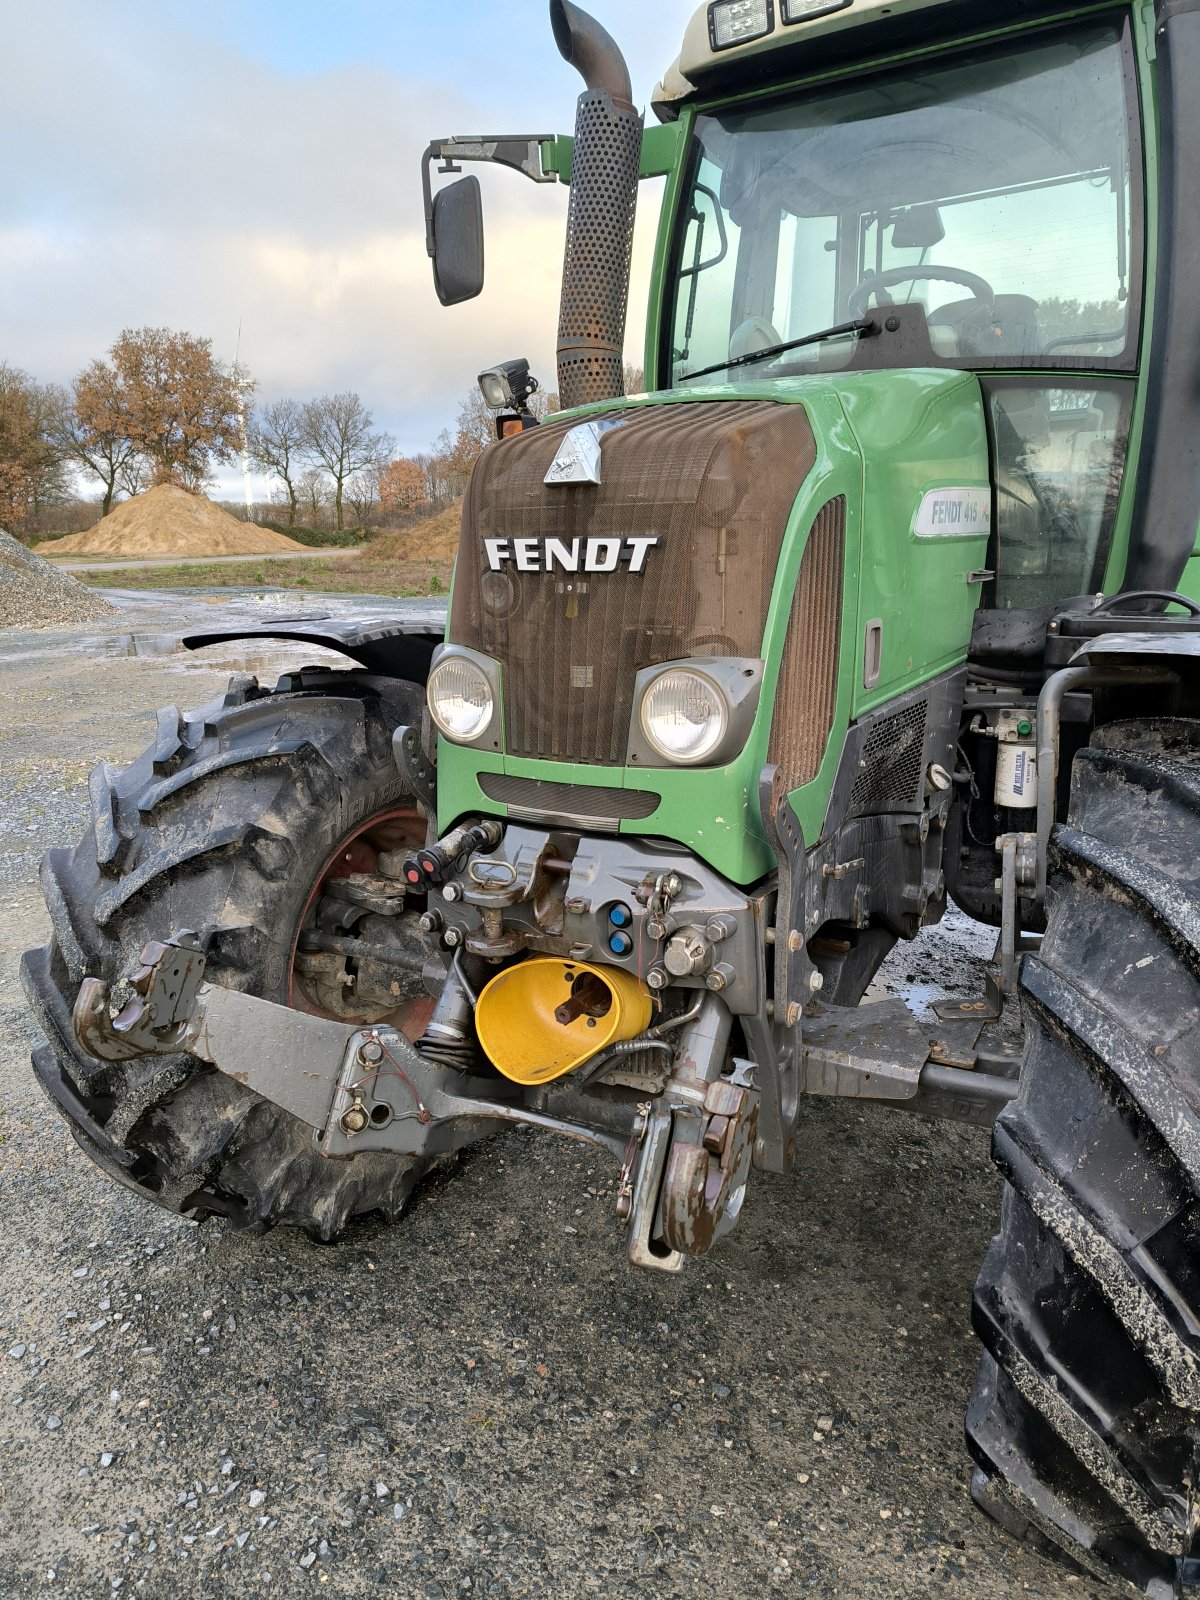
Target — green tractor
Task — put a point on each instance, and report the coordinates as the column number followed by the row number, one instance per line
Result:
column 873, row 603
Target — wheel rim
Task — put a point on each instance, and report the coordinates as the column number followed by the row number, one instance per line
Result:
column 358, row 852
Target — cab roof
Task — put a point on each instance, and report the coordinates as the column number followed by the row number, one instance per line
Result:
column 856, row 30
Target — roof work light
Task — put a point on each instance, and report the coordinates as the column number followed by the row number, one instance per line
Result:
column 732, row 22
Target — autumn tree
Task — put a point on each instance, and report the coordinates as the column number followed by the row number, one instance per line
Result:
column 30, row 466
column 87, row 431
column 402, row 486
column 339, row 435
column 476, row 429
column 167, row 394
column 277, row 443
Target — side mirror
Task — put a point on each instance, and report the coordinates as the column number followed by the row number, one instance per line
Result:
column 457, row 242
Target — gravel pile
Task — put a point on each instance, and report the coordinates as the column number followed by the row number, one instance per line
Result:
column 32, row 592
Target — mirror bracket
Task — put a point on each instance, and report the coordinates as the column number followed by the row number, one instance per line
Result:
column 522, row 153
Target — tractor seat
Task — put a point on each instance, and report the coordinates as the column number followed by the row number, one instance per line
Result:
column 958, row 329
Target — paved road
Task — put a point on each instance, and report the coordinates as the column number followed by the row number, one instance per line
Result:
column 70, row 564
column 484, row 1401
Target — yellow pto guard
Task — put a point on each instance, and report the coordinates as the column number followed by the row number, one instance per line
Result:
column 541, row 1020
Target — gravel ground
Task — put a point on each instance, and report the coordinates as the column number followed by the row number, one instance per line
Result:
column 485, row 1400
column 31, row 592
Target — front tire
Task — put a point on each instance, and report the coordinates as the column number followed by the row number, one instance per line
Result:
column 1084, row 1420
column 224, row 827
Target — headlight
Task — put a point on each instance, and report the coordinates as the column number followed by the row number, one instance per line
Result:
column 684, row 716
column 460, row 699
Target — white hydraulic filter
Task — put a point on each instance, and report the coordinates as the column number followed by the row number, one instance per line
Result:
column 1016, row 761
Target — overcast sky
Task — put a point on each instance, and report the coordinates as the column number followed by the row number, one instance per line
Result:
column 201, row 165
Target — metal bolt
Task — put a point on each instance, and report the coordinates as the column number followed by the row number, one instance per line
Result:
column 795, row 941
column 371, row 1052
column 720, row 978
column 793, row 1014
column 454, row 937
column 657, row 979
column 815, row 983
column 431, row 922
column 355, row 1120
column 452, row 892
column 673, row 885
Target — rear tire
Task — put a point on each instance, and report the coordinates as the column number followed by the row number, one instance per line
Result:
column 1084, row 1420
column 225, row 827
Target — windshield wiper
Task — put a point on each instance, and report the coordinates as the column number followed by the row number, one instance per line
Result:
column 864, row 326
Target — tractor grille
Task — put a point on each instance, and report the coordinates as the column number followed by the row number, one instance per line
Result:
column 714, row 483
column 806, row 698
column 578, row 804
column 893, row 763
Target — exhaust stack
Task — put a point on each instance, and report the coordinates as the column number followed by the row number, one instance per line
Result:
column 604, row 184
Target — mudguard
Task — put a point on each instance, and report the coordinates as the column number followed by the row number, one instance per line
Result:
column 393, row 649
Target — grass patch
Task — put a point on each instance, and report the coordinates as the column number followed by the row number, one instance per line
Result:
column 403, row 580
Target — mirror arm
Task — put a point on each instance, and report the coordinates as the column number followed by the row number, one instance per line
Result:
column 521, row 153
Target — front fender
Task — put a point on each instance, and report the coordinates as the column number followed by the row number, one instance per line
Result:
column 391, row 649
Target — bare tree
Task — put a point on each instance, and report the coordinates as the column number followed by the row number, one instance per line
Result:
column 276, row 443
column 312, row 492
column 135, row 475
column 338, row 435
column 362, row 494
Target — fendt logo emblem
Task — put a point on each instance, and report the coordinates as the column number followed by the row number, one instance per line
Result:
column 570, row 555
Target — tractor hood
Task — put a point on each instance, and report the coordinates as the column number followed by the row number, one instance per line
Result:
column 592, row 549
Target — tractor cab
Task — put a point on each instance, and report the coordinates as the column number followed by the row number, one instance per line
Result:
column 980, row 210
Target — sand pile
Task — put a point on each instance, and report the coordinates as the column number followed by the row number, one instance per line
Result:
column 435, row 540
column 168, row 521
column 32, row 592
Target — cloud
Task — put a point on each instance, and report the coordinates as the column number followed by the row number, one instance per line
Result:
column 162, row 171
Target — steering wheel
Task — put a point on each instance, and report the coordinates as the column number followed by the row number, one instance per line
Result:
column 878, row 283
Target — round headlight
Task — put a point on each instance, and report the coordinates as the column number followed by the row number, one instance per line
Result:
column 684, row 716
column 460, row 699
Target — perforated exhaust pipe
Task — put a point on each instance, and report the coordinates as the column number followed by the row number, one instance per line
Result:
column 604, row 185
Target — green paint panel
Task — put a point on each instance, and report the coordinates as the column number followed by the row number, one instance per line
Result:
column 662, row 148
column 1189, row 584
column 918, row 433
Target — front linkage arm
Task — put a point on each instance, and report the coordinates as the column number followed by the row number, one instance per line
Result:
column 355, row 1087
column 685, row 1162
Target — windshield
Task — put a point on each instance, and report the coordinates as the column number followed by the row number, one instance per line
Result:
column 1000, row 193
